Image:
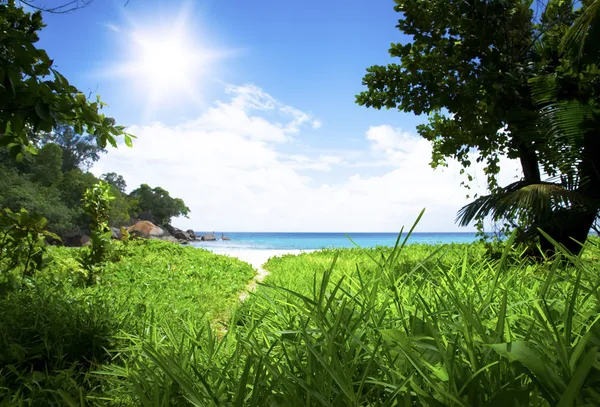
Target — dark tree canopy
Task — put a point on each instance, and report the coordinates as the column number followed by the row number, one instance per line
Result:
column 157, row 206
column 79, row 151
column 115, row 180
column 34, row 97
column 479, row 69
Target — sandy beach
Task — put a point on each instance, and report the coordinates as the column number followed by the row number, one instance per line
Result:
column 255, row 257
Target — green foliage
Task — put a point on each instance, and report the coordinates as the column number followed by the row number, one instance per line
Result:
column 79, row 150
column 467, row 67
column 96, row 204
column 415, row 325
column 471, row 67
column 115, row 180
column 22, row 246
column 47, row 166
column 59, row 332
column 34, row 97
column 18, row 190
column 157, row 206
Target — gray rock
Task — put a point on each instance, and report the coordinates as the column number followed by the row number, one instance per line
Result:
column 192, row 234
column 76, row 240
column 177, row 233
column 116, row 233
column 209, row 237
column 168, row 239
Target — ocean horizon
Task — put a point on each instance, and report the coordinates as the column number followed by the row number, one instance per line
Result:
column 316, row 241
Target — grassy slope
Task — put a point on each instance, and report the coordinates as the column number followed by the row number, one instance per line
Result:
column 424, row 326
column 62, row 326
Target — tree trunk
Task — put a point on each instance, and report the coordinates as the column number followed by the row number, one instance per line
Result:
column 568, row 227
column 529, row 163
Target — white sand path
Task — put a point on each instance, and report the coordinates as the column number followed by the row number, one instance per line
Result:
column 256, row 258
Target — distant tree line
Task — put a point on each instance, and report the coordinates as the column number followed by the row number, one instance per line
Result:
column 51, row 183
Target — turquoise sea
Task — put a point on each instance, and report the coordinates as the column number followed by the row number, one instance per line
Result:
column 315, row 241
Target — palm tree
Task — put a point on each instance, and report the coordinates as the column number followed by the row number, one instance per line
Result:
column 567, row 205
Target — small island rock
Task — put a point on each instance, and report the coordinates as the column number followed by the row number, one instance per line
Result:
column 209, row 237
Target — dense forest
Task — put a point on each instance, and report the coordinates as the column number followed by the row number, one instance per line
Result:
column 51, row 183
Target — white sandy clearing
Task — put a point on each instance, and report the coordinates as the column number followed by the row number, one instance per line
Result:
column 256, row 258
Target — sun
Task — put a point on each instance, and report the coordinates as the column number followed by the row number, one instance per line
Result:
column 163, row 65
column 166, row 62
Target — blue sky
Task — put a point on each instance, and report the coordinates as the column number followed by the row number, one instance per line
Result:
column 263, row 134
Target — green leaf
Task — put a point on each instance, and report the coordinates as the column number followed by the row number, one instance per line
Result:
column 570, row 394
column 80, row 98
column 128, row 141
column 42, row 110
column 526, row 354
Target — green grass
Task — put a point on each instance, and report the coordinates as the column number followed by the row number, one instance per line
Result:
column 412, row 326
column 433, row 326
column 55, row 331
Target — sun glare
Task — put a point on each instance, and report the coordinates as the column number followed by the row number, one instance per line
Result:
column 166, row 65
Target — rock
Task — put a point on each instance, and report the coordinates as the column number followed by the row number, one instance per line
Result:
column 184, row 241
column 177, row 233
column 77, row 240
column 85, row 241
column 181, row 235
column 116, row 233
column 149, row 230
column 209, row 237
column 192, row 234
column 168, row 238
column 223, row 237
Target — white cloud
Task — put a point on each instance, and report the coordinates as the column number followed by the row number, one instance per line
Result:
column 227, row 168
column 112, row 27
column 321, row 163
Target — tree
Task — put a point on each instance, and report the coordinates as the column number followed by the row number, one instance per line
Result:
column 469, row 67
column 79, row 151
column 34, row 97
column 17, row 191
column 115, row 180
column 567, row 94
column 157, row 206
column 47, row 165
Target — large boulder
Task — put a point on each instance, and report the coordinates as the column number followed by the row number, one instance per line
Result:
column 192, row 234
column 180, row 234
column 209, row 237
column 148, row 230
column 177, row 233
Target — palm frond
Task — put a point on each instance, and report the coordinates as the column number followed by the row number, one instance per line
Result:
column 582, row 36
column 543, row 89
column 568, row 119
column 538, row 199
